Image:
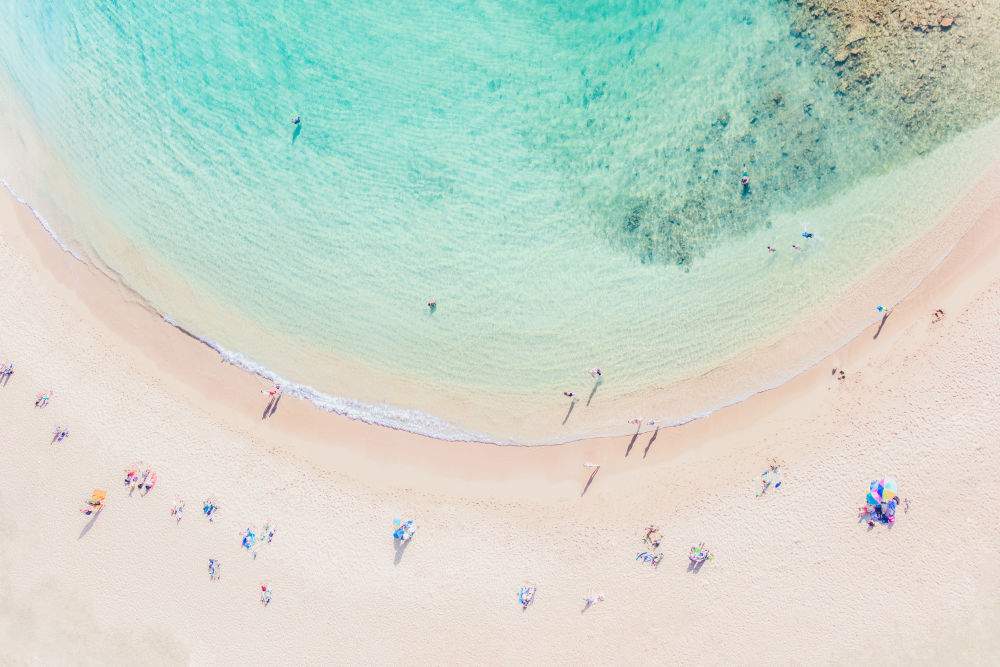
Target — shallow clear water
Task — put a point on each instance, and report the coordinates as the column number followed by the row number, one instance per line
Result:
column 561, row 179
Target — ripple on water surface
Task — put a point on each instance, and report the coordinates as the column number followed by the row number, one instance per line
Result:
column 563, row 180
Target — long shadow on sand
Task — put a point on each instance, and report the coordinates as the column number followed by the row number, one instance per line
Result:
column 880, row 325
column 271, row 408
column 590, row 480
column 631, row 443
column 90, row 524
column 400, row 548
column 650, row 443
column 694, row 567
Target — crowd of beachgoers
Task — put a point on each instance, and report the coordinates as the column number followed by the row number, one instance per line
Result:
column 880, row 504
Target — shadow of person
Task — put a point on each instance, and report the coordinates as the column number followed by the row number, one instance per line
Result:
column 650, row 443
column 296, row 132
column 594, row 390
column 881, row 324
column 590, row 480
column 272, row 407
column 572, row 404
column 90, row 524
column 631, row 443
column 400, row 548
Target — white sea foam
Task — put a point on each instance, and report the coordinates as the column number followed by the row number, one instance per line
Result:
column 41, row 219
column 382, row 414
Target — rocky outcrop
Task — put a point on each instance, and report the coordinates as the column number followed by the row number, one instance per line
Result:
column 934, row 65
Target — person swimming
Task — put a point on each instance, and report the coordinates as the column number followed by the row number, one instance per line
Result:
column 807, row 235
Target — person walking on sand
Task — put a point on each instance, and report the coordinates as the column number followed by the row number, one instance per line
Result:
column 43, row 399
column 883, row 310
column 275, row 390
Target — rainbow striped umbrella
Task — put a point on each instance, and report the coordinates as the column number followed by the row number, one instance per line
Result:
column 882, row 490
column 888, row 488
column 874, row 494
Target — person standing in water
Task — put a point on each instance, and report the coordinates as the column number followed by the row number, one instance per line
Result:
column 745, row 178
column 298, row 119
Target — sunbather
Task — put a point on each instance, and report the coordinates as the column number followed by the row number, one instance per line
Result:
column 527, row 595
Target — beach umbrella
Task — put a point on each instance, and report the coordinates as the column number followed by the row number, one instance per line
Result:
column 888, row 488
column 874, row 494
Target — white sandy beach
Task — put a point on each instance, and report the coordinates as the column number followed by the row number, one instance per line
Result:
column 796, row 577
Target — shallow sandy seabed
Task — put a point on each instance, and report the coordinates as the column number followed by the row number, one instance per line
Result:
column 795, row 578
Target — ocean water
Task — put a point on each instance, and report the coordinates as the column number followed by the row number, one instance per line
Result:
column 561, row 178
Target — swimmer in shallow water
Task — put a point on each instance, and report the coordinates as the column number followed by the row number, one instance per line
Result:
column 807, row 235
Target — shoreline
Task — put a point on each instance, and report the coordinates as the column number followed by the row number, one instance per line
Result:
column 800, row 346
column 337, row 442
column 916, row 404
column 767, row 364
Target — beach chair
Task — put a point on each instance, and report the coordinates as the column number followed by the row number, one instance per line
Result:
column 95, row 503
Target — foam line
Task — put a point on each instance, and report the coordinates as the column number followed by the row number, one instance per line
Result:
column 382, row 414
column 41, row 219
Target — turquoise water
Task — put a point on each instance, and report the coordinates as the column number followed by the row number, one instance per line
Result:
column 562, row 178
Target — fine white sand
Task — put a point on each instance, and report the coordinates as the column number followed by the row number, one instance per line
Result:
column 796, row 578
